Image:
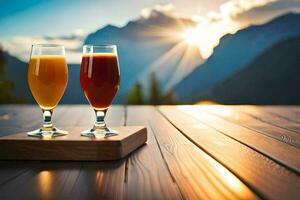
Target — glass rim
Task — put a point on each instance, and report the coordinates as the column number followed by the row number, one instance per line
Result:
column 100, row 45
column 47, row 45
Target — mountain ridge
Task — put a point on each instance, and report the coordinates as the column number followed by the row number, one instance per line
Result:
column 138, row 48
column 272, row 78
column 140, row 43
column 234, row 52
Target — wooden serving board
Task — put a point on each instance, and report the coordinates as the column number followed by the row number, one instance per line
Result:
column 73, row 146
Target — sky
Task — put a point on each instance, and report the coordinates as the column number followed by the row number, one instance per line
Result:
column 24, row 22
column 57, row 17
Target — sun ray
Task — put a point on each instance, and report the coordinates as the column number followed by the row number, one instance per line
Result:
column 187, row 63
column 174, row 53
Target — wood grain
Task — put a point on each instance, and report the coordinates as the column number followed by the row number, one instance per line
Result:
column 286, row 155
column 20, row 118
column 52, row 177
column 269, row 118
column 25, row 118
column 11, row 169
column 290, row 113
column 148, row 176
column 73, row 146
column 47, row 180
column 67, row 182
column 195, row 159
column 257, row 171
column 233, row 115
column 197, row 175
column 101, row 180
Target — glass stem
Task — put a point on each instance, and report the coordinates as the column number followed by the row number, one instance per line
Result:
column 47, row 114
column 100, row 123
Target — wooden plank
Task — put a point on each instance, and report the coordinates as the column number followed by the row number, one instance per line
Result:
column 48, row 180
column 274, row 120
column 52, row 179
column 71, row 116
column 101, row 180
column 23, row 118
column 286, row 155
column 73, row 146
column 233, row 115
column 66, row 178
column 87, row 118
column 115, row 116
column 147, row 175
column 11, row 169
column 17, row 117
column 197, row 175
column 263, row 175
column 290, row 113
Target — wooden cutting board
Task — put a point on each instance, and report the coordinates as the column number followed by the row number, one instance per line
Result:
column 73, row 146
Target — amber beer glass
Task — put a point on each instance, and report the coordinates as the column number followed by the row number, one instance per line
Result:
column 100, row 80
column 47, row 79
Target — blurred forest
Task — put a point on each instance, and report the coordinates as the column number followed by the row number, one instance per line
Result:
column 156, row 97
column 6, row 86
column 137, row 95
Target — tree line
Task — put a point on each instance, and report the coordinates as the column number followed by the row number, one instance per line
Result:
column 6, row 86
column 156, row 96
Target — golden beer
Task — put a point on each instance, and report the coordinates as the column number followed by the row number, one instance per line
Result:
column 47, row 79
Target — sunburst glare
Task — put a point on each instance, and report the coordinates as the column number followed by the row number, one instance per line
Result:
column 191, row 36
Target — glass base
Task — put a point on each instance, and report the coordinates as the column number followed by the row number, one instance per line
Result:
column 99, row 133
column 47, row 133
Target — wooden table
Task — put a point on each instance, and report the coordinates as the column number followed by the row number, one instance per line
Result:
column 193, row 152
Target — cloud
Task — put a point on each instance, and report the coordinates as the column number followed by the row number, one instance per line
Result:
column 20, row 46
column 234, row 7
column 237, row 14
column 261, row 14
column 161, row 8
column 228, row 18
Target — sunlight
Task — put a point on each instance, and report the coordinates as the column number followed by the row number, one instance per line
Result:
column 185, row 65
column 191, row 45
column 175, row 52
column 184, row 57
column 191, row 36
column 233, row 182
column 219, row 109
column 206, row 35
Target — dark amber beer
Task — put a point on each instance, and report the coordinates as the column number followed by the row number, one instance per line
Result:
column 100, row 78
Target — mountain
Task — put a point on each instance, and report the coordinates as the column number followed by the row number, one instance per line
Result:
column 73, row 93
column 235, row 52
column 140, row 42
column 15, row 71
column 141, row 45
column 272, row 78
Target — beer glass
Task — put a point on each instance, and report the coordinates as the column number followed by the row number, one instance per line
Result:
column 100, row 80
column 47, row 79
